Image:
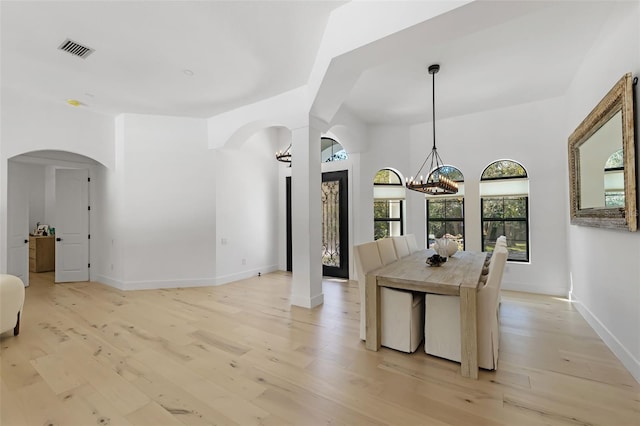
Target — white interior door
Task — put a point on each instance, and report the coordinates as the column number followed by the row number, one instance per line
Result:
column 18, row 227
column 72, row 225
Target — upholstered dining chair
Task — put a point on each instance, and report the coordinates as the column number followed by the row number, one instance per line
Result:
column 401, row 246
column 411, row 242
column 11, row 303
column 502, row 240
column 442, row 319
column 387, row 250
column 402, row 312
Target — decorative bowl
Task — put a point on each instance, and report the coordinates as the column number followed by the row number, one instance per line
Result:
column 436, row 260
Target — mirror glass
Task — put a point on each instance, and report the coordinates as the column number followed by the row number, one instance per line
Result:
column 594, row 153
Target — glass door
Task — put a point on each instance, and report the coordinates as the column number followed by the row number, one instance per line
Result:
column 335, row 231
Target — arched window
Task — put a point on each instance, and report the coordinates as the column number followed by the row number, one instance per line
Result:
column 388, row 204
column 331, row 150
column 504, row 198
column 614, row 180
column 445, row 213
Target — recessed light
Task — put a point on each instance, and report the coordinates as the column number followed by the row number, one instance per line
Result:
column 188, row 72
column 74, row 102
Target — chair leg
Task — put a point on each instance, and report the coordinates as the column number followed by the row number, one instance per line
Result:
column 16, row 329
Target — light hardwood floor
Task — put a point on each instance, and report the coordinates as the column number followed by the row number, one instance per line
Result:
column 239, row 354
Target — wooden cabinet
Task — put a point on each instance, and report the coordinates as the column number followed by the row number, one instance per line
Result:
column 42, row 254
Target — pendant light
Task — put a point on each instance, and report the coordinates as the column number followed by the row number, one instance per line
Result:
column 436, row 183
column 284, row 156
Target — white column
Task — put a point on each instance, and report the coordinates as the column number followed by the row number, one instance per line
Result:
column 306, row 227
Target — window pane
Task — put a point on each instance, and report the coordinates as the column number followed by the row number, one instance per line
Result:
column 491, row 231
column 331, row 150
column 615, row 160
column 436, row 209
column 518, row 251
column 451, row 172
column 380, row 230
column 386, row 209
column 436, row 229
column 492, row 208
column 383, row 229
column 453, row 208
column 386, row 176
column 515, row 231
column 515, row 207
column 613, row 199
column 380, row 209
column 503, row 169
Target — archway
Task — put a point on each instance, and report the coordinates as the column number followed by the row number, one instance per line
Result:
column 35, row 181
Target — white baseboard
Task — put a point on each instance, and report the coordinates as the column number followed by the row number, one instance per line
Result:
column 103, row 279
column 307, row 302
column 182, row 283
column 549, row 291
column 245, row 274
column 618, row 349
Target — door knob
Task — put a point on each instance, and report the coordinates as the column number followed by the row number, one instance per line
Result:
column 58, row 239
column 26, row 241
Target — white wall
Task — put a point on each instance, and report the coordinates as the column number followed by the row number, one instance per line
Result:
column 34, row 176
column 532, row 134
column 247, row 199
column 604, row 266
column 163, row 216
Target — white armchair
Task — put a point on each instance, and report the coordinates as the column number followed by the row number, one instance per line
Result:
column 11, row 303
column 401, row 312
column 442, row 319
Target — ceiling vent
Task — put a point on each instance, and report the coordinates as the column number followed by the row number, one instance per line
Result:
column 76, row 49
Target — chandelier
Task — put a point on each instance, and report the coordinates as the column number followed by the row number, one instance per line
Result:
column 284, row 156
column 435, row 183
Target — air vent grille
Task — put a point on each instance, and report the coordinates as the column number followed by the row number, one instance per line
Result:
column 76, row 49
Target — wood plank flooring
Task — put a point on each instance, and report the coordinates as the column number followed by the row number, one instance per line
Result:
column 239, row 354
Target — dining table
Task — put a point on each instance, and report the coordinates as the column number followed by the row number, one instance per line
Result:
column 458, row 276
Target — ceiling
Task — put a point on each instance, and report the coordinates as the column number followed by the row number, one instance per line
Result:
column 531, row 53
column 240, row 52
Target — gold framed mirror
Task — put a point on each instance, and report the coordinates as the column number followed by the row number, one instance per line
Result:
column 602, row 163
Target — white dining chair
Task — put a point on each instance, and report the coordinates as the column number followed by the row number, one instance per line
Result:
column 387, row 250
column 442, row 319
column 411, row 242
column 401, row 246
column 401, row 312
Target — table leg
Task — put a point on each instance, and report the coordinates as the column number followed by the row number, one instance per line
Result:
column 468, row 332
column 372, row 306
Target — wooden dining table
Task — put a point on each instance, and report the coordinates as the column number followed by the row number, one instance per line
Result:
column 458, row 276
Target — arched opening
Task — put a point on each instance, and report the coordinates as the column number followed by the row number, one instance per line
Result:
column 48, row 215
